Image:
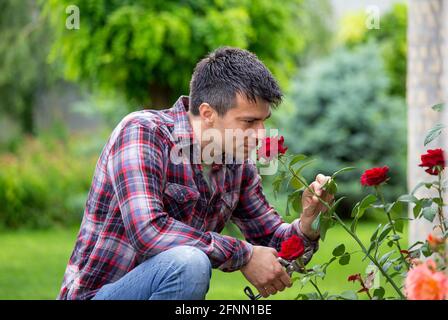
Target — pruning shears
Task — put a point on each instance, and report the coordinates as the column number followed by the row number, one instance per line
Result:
column 290, row 266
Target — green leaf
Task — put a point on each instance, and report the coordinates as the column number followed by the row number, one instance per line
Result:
column 428, row 185
column 399, row 225
column 360, row 208
column 297, row 172
column 387, row 265
column 354, row 225
column 367, row 201
column 277, row 183
column 396, row 208
column 349, row 295
column 326, row 221
column 395, row 237
column 426, row 250
column 379, row 293
column 342, row 170
column 325, row 224
column 386, row 256
column 375, row 234
column 434, row 133
column 417, row 208
column 297, row 158
column 331, row 186
column 355, row 209
column 344, row 259
column 438, row 107
column 408, row 198
column 339, row 250
column 429, row 213
column 316, row 223
column 398, row 267
column 371, row 246
column 297, row 204
column 295, row 183
column 387, row 228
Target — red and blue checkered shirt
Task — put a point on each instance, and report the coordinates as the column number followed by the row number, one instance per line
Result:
column 140, row 204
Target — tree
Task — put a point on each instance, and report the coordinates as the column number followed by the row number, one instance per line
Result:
column 391, row 39
column 147, row 49
column 426, row 86
column 24, row 37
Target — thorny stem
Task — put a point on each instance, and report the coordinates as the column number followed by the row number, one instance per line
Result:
column 317, row 289
column 440, row 206
column 397, row 242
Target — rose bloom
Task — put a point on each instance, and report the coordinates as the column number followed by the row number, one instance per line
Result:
column 292, row 248
column 433, row 159
column 434, row 241
column 424, row 282
column 354, row 277
column 271, row 147
column 374, row 176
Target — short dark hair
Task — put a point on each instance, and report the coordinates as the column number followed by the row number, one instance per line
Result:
column 227, row 71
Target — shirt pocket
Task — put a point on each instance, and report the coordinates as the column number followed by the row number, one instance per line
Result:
column 228, row 203
column 179, row 200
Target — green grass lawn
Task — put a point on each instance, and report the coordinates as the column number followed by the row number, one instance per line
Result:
column 32, row 264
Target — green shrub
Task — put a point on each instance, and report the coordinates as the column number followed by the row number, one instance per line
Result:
column 390, row 39
column 44, row 183
column 343, row 116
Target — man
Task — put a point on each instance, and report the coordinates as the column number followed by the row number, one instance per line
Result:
column 151, row 226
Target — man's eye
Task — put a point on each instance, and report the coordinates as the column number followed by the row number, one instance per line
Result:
column 249, row 121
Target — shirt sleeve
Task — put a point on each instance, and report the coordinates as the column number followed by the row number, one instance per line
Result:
column 259, row 222
column 137, row 166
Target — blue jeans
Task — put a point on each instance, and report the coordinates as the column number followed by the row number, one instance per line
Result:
column 180, row 273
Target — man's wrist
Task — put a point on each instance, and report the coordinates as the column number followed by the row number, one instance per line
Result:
column 307, row 232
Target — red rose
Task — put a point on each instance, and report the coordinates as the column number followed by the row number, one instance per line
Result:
column 374, row 176
column 354, row 277
column 271, row 147
column 292, row 248
column 434, row 160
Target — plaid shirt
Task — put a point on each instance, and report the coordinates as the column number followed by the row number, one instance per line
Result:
column 141, row 203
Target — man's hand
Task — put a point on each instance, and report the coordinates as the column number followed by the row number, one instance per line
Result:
column 312, row 206
column 265, row 272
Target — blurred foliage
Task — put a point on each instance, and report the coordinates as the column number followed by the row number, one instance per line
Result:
column 24, row 45
column 317, row 29
column 45, row 181
column 110, row 109
column 391, row 39
column 344, row 116
column 147, row 49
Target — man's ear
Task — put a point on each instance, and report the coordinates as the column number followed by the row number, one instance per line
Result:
column 207, row 113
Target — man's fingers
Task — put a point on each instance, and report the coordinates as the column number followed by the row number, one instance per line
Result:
column 315, row 187
column 286, row 279
column 270, row 289
column 278, row 285
column 322, row 180
column 263, row 292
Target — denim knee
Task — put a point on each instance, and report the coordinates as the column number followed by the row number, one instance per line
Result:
column 191, row 260
column 195, row 271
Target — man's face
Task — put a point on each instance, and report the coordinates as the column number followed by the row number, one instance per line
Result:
column 242, row 126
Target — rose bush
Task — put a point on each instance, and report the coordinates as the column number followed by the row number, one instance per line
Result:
column 402, row 268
